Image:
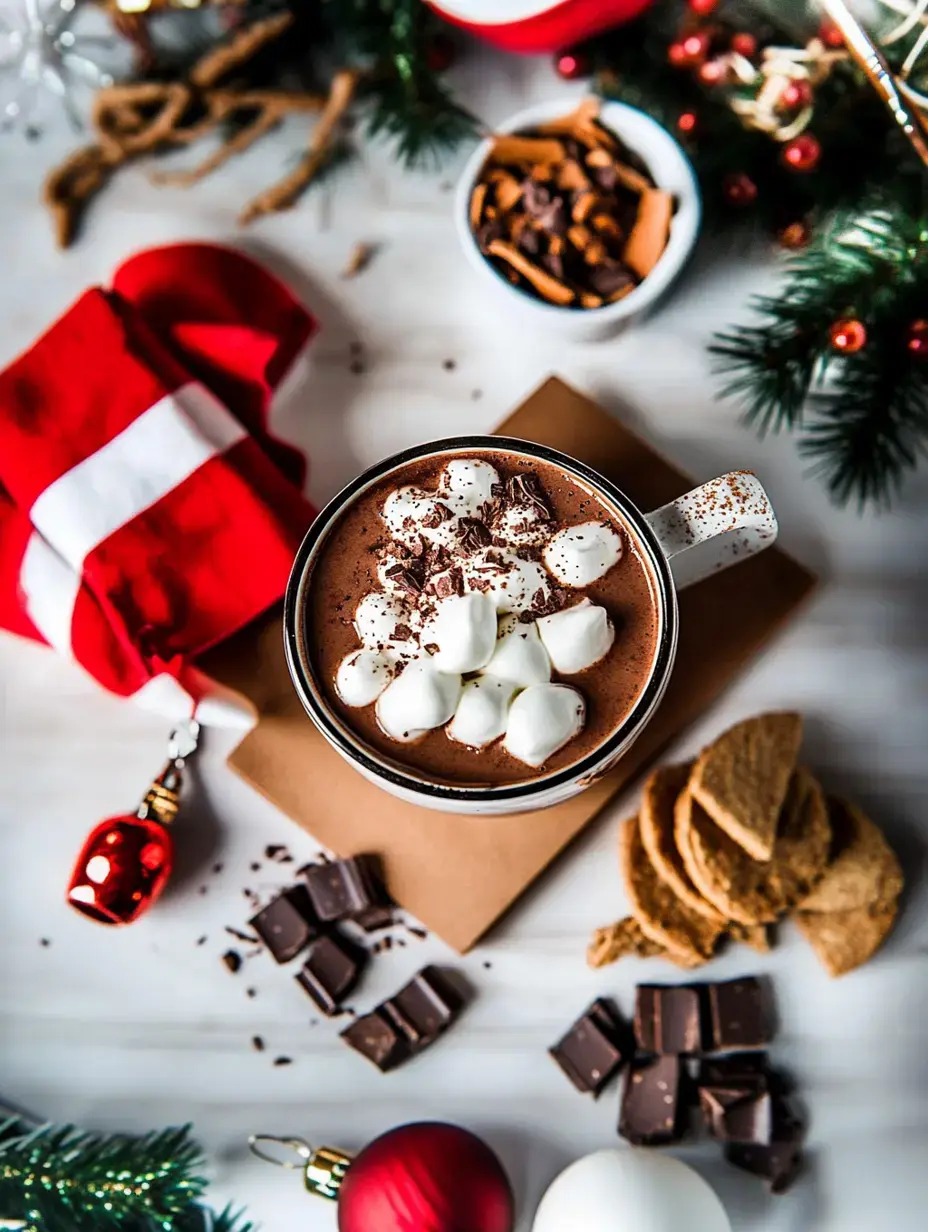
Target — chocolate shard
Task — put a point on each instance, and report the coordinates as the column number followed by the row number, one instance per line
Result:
column 424, row 1008
column 738, row 1114
column 375, row 918
column 740, row 1014
column 778, row 1162
column 652, row 1104
column 287, row 924
column 346, row 889
column 747, row 1070
column 378, row 1039
column 592, row 1053
column 668, row 1020
column 331, row 971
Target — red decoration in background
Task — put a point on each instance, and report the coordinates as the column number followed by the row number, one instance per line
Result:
column 712, row 73
column 797, row 94
column 802, row 153
column 687, row 123
column 122, row 870
column 572, row 64
column 796, row 235
column 441, row 54
column 917, row 341
column 848, row 336
column 428, row 1177
column 739, row 189
column 744, row 44
column 830, row 35
column 702, row 8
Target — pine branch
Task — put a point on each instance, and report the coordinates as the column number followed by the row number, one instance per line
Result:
column 61, row 1179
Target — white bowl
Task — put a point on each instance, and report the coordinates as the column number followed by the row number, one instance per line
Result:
column 670, row 169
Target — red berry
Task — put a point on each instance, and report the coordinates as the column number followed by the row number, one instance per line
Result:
column 848, row 336
column 917, row 341
column 572, row 64
column 744, row 44
column 686, row 123
column 739, row 189
column 831, row 35
column 797, row 94
column 802, row 153
column 696, row 46
column 712, row 73
column 702, row 8
column 676, row 54
column 796, row 235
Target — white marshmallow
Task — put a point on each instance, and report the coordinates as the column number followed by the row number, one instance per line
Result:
column 464, row 630
column 519, row 655
column 376, row 619
column 513, row 584
column 466, row 484
column 577, row 637
column 408, row 510
column 417, row 701
column 541, row 720
column 522, row 525
column 362, row 677
column 482, row 712
column 579, row 555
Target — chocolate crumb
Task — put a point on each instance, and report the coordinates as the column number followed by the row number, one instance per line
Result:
column 45, row 942
column 218, row 867
column 449, row 365
column 283, row 1060
column 248, row 938
column 255, row 866
column 232, row 960
column 476, row 395
column 357, row 368
column 273, row 851
column 251, row 993
column 355, row 349
column 487, row 965
column 421, row 933
column 257, row 1043
column 203, row 889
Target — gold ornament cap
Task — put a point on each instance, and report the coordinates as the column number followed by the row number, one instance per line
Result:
column 323, row 1167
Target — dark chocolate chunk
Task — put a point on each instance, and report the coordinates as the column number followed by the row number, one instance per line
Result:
column 377, row 1037
column 287, row 924
column 778, row 1161
column 652, row 1104
column 374, row 919
column 257, row 1043
column 283, row 1060
column 742, row 1069
column 668, row 1020
column 345, row 889
column 740, row 1014
column 424, row 1009
column 232, row 960
column 591, row 1052
column 331, row 972
column 734, row 1114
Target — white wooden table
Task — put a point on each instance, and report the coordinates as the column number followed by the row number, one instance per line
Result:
column 142, row 1027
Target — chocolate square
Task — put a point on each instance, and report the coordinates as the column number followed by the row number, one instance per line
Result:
column 424, row 1008
column 591, row 1053
column 287, row 924
column 377, row 1039
column 652, row 1103
column 668, row 1019
column 331, row 972
column 740, row 1014
column 779, row 1161
column 742, row 1069
column 345, row 889
column 734, row 1114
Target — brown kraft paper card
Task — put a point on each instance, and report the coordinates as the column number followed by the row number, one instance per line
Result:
column 459, row 874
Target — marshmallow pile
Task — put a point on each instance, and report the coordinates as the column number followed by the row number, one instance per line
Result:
column 417, row 648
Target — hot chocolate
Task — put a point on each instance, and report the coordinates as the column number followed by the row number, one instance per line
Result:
column 482, row 619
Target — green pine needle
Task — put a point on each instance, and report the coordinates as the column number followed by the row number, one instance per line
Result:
column 61, row 1179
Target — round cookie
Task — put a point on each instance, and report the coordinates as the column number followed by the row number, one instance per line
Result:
column 863, row 868
column 657, row 833
column 746, row 890
column 657, row 909
column 844, row 940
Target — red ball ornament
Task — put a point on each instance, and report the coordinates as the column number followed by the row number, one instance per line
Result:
column 802, row 153
column 739, row 189
column 917, row 340
column 121, row 871
column 572, row 64
column 797, row 94
column 426, row 1177
column 796, row 235
column 689, row 52
column 702, row 8
column 848, row 336
column 712, row 73
column 441, row 53
column 831, row 35
column 744, row 44
column 687, row 123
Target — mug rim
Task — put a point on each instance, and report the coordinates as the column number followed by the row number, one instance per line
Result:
column 404, row 779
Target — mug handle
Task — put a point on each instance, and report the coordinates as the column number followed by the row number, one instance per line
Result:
column 723, row 522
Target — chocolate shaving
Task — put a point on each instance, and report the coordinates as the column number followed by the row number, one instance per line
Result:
column 526, row 489
column 402, row 633
column 475, row 535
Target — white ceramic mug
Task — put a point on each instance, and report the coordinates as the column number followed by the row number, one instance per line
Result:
column 710, row 528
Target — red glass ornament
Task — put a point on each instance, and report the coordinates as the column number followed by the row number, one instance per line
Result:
column 702, row 8
column 802, row 153
column 917, row 340
column 797, row 94
column 739, row 189
column 122, row 869
column 796, row 235
column 831, row 35
column 687, row 123
column 426, row 1177
column 744, row 44
column 676, row 54
column 689, row 52
column 712, row 73
column 572, row 64
column 441, row 53
column 848, row 336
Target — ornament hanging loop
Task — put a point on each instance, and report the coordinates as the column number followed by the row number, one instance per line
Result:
column 323, row 1167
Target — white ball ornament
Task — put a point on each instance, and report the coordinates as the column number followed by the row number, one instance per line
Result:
column 631, row 1190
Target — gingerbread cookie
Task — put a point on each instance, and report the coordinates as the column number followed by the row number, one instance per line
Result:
column 844, row 940
column 746, row 890
column 863, row 868
column 741, row 780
